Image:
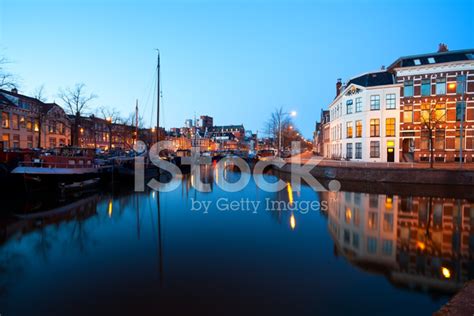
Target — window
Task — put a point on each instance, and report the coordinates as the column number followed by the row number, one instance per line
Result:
column 460, row 84
column 349, row 107
column 371, row 245
column 431, row 60
column 387, row 246
column 460, row 110
column 457, row 140
column 358, row 153
column 5, row 120
column 372, row 221
column 374, row 102
column 6, row 140
column 16, row 141
column 355, row 240
column 440, row 112
column 390, row 127
column 15, row 121
column 425, row 112
column 388, row 222
column 440, row 86
column 439, row 139
column 29, row 141
column 29, row 125
column 358, row 128
column 408, row 88
column 373, row 201
column 374, row 128
column 52, row 142
column 36, row 129
column 359, row 104
column 417, row 62
column 408, row 114
column 425, row 139
column 349, row 150
column 426, row 87
column 349, row 129
column 390, row 100
column 375, row 149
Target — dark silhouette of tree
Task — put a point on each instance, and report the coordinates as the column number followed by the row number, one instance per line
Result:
column 76, row 102
column 432, row 115
column 7, row 80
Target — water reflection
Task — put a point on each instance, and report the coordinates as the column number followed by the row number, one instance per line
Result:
column 421, row 243
column 148, row 252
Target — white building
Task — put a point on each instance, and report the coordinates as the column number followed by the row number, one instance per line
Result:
column 364, row 119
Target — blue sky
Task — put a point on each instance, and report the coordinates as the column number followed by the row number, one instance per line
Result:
column 233, row 60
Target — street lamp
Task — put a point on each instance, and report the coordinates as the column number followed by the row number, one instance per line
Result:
column 292, row 114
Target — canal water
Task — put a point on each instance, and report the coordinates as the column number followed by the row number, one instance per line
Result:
column 117, row 252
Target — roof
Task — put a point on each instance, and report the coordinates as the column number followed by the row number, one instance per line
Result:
column 433, row 58
column 372, row 79
column 227, row 127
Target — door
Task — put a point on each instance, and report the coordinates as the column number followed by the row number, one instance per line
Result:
column 390, row 154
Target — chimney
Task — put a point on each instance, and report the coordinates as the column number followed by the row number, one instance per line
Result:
column 338, row 86
column 15, row 91
column 382, row 68
column 442, row 48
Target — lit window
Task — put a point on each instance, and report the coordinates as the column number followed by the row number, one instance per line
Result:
column 374, row 127
column 408, row 114
column 5, row 120
column 358, row 128
column 390, row 127
column 349, row 129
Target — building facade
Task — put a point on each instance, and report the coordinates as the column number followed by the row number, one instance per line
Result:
column 364, row 119
column 29, row 123
column 437, row 103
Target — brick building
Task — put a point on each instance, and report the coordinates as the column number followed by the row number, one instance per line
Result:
column 437, row 98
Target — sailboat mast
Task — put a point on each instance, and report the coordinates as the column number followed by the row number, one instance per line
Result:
column 158, row 98
column 136, row 122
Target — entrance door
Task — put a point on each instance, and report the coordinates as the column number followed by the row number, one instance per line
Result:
column 390, row 154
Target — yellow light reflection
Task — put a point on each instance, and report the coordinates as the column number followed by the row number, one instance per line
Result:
column 110, row 209
column 290, row 193
column 388, row 202
column 348, row 215
column 292, row 221
column 420, row 245
column 446, row 272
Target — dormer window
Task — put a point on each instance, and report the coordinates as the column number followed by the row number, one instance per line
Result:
column 417, row 62
column 431, row 60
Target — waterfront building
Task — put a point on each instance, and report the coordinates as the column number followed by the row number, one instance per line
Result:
column 421, row 243
column 321, row 140
column 364, row 119
column 437, row 99
column 27, row 122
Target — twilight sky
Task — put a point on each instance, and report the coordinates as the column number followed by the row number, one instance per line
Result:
column 235, row 60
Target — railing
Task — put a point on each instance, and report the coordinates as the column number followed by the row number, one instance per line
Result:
column 48, row 164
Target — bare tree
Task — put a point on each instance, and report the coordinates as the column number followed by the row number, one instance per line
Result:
column 431, row 116
column 7, row 80
column 39, row 93
column 76, row 102
column 278, row 121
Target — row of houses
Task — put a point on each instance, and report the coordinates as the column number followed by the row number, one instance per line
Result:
column 28, row 123
column 419, row 107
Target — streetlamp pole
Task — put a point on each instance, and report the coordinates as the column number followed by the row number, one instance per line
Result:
column 462, row 121
column 279, row 137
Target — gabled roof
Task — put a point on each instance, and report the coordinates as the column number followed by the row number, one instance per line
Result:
column 373, row 79
column 433, row 58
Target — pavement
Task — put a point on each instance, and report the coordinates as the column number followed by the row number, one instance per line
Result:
column 461, row 304
column 325, row 162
